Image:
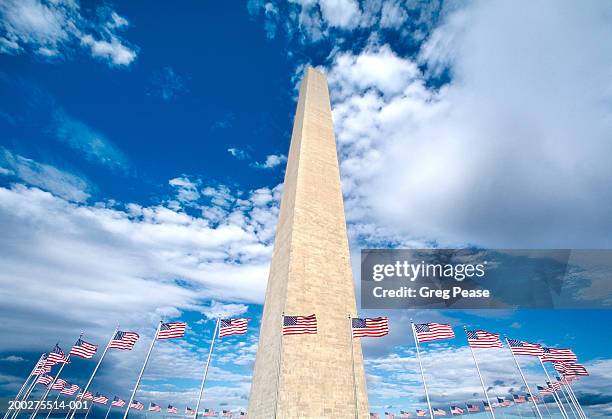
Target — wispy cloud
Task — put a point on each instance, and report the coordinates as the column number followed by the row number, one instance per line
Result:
column 48, row 29
column 166, row 84
column 271, row 161
column 238, row 153
column 44, row 176
column 92, row 144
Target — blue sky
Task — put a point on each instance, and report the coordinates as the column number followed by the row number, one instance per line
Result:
column 142, row 149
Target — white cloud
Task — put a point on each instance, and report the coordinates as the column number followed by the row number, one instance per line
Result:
column 340, row 13
column 239, row 154
column 187, row 190
column 497, row 156
column 217, row 309
column 128, row 264
column 50, row 28
column 271, row 161
column 112, row 50
column 44, row 176
column 94, row 145
column 12, row 358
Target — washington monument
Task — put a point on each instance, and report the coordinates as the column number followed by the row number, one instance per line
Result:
column 310, row 376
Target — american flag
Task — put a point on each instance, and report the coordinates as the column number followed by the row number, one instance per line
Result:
column 566, row 380
column 189, row 411
column 531, row 397
column 209, row 412
column 372, row 327
column 483, row 339
column 404, row 414
column 124, row 340
column 439, row 412
column 243, row 414
column 545, row 390
column 570, row 368
column 558, row 354
column 44, row 380
column 88, row 396
column 501, row 401
column 171, row 330
column 389, row 415
column 300, row 325
column 374, row 415
column 518, row 398
column 229, row 327
column 154, row 408
column 487, row 406
column 100, row 398
column 519, row 347
column 555, row 386
column 56, row 356
column 117, row 402
column 473, row 408
column 59, row 384
column 172, row 409
column 421, row 412
column 226, row 414
column 69, row 391
column 456, row 410
column 137, row 405
column 83, row 349
column 42, row 367
column 427, row 332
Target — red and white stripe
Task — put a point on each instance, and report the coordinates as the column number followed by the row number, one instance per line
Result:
column 124, row 340
column 84, row 349
column 69, row 391
column 300, row 325
column 171, row 330
column 44, row 380
column 100, row 399
column 520, row 347
column 426, row 332
column 117, row 402
column 59, row 384
column 228, row 327
column 558, row 355
column 480, row 339
column 374, row 327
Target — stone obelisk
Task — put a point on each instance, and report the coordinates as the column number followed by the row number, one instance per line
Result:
column 310, row 376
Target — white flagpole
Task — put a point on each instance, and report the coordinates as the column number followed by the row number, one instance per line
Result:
column 546, row 407
column 95, row 370
column 524, row 379
column 55, row 401
column 280, row 360
column 574, row 401
column 125, row 415
column 563, row 413
column 26, row 396
column 109, row 409
column 484, row 389
column 518, row 406
column 90, row 406
column 48, row 389
column 559, row 403
column 25, row 383
column 568, row 402
column 350, row 324
column 571, row 391
column 416, row 342
column 212, row 345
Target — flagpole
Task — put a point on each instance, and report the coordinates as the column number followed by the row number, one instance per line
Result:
column 416, row 342
column 93, row 374
column 350, row 324
column 518, row 410
column 212, row 344
column 567, row 401
column 571, row 391
column 125, row 415
column 484, row 389
column 90, row 406
column 25, row 396
column 280, row 360
column 46, row 392
column 524, row 379
column 546, row 407
column 24, row 385
column 55, row 401
column 560, row 404
column 573, row 400
column 564, row 414
column 109, row 409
